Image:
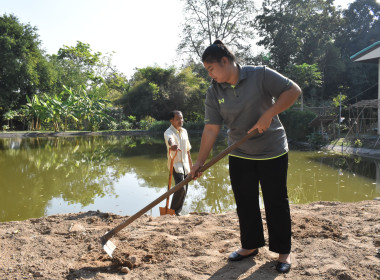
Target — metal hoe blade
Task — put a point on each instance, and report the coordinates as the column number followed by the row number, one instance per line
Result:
column 109, row 247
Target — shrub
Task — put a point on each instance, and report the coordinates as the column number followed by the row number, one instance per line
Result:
column 316, row 139
column 296, row 123
column 132, row 120
column 196, row 125
column 125, row 125
column 159, row 126
column 358, row 143
column 112, row 125
column 146, row 122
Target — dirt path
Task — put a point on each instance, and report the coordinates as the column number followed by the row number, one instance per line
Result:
column 330, row 241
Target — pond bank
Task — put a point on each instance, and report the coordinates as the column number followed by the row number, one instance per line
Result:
column 68, row 134
column 364, row 152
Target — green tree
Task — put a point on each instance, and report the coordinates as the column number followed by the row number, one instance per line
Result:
column 308, row 77
column 9, row 116
column 139, row 100
column 155, row 91
column 117, row 85
column 207, row 20
column 76, row 65
column 192, row 90
column 24, row 70
column 361, row 28
column 150, row 93
column 80, row 65
column 297, row 31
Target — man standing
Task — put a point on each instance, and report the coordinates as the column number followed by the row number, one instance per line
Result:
column 177, row 140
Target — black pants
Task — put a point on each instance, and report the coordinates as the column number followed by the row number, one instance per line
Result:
column 179, row 196
column 246, row 175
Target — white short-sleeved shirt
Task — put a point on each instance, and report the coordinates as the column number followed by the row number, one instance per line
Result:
column 180, row 138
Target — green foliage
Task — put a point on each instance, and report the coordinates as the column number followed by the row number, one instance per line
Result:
column 125, row 125
column 79, row 65
column 117, row 85
column 339, row 100
column 84, row 108
column 9, row 116
column 112, row 125
column 304, row 75
column 296, row 123
column 317, row 139
column 80, row 55
column 146, row 122
column 308, row 77
column 309, row 41
column 195, row 125
column 23, row 67
column 155, row 92
column 297, row 31
column 34, row 111
column 159, row 126
column 132, row 120
column 316, row 32
column 358, row 143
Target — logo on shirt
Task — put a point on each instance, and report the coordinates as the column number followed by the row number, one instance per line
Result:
column 221, row 101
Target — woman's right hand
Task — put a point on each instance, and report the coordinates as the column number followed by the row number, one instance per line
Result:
column 194, row 173
column 210, row 132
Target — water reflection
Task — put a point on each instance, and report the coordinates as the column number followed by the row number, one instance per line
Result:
column 121, row 174
column 34, row 171
column 315, row 176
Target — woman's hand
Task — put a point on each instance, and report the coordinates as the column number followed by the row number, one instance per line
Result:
column 194, row 173
column 210, row 132
column 262, row 124
column 286, row 99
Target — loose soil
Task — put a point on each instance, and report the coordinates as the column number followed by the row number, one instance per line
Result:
column 331, row 240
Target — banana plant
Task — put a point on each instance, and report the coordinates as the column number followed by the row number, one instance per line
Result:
column 35, row 111
column 64, row 105
column 53, row 105
column 92, row 109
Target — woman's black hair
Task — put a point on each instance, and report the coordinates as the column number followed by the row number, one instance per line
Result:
column 216, row 51
column 173, row 113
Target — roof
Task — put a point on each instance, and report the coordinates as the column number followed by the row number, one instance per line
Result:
column 370, row 103
column 322, row 119
column 369, row 54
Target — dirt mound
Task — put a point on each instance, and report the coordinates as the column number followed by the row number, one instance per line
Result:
column 330, row 241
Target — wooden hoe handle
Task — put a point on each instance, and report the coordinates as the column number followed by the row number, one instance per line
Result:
column 203, row 168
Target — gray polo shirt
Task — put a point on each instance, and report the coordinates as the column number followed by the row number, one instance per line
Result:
column 240, row 107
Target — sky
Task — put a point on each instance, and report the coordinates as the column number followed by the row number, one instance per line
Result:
column 141, row 33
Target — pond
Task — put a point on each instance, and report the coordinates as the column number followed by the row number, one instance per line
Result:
column 122, row 174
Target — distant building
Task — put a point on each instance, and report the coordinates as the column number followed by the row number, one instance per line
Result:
column 371, row 54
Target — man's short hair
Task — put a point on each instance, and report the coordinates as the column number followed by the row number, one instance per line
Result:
column 173, row 113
